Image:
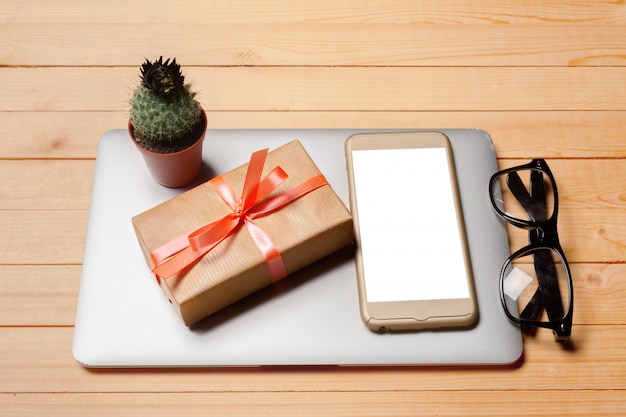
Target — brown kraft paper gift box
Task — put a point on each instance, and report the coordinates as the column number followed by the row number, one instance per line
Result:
column 303, row 232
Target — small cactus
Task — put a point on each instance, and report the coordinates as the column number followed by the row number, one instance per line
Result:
column 164, row 114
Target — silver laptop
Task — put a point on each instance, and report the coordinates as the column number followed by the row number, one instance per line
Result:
column 310, row 318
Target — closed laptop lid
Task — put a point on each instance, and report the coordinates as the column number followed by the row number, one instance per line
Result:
column 310, row 318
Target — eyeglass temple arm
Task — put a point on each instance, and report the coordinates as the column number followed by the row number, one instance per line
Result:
column 548, row 284
column 533, row 308
column 534, row 202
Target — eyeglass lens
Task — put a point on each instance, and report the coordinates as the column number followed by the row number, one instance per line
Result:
column 536, row 287
column 526, row 194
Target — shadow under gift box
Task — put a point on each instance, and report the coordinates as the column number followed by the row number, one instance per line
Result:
column 304, row 231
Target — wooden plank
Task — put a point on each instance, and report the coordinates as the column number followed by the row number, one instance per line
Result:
column 555, row 402
column 598, row 293
column 330, row 88
column 40, row 237
column 46, row 295
column 38, row 295
column 43, row 363
column 579, row 12
column 262, row 44
column 524, row 134
column 47, row 184
column 38, row 135
column 585, row 235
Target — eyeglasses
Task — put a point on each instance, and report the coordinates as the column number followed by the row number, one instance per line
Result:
column 535, row 282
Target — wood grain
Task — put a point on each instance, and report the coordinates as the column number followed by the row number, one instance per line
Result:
column 396, row 404
column 42, row 237
column 516, row 134
column 47, row 184
column 309, row 88
column 38, row 295
column 305, row 44
column 574, row 12
column 544, row 78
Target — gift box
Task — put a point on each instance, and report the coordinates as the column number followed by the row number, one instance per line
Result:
column 239, row 232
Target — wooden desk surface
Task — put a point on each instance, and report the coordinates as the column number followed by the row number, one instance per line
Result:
column 545, row 78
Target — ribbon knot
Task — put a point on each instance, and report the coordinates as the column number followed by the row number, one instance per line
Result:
column 185, row 250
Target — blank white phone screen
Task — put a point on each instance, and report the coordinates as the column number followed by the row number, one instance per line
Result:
column 410, row 240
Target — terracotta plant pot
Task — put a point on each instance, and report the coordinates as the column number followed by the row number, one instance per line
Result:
column 174, row 169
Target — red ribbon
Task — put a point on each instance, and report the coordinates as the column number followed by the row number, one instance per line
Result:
column 185, row 250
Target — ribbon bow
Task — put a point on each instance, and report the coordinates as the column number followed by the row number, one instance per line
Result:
column 185, row 250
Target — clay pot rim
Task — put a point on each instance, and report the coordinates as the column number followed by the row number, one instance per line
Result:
column 200, row 137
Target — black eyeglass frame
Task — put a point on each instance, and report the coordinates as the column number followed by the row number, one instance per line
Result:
column 542, row 235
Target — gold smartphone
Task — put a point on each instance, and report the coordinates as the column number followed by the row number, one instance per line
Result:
column 412, row 260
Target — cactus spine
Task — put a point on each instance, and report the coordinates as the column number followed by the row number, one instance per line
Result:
column 164, row 114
